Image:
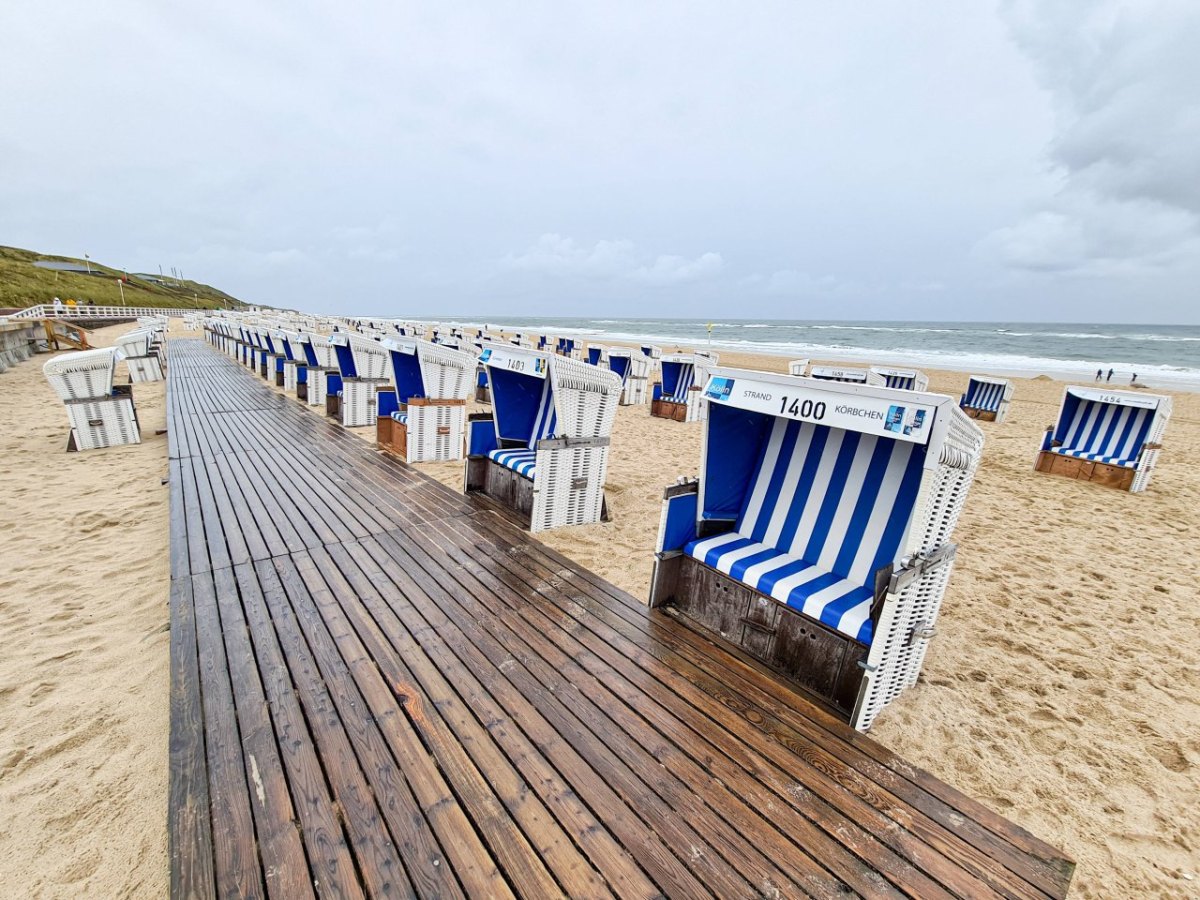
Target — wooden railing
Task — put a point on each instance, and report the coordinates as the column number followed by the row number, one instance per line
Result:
column 83, row 311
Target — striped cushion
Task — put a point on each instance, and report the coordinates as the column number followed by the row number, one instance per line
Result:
column 545, row 420
column 838, row 602
column 523, row 462
column 832, row 504
column 1107, row 433
column 685, row 377
column 984, row 395
column 401, row 417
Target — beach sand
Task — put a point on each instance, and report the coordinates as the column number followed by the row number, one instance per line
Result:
column 1061, row 689
column 83, row 669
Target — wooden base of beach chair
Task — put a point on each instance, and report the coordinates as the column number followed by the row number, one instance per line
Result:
column 333, row 406
column 511, row 493
column 302, row 391
column 1100, row 473
column 483, row 394
column 669, row 409
column 278, row 378
column 824, row 662
column 983, row 415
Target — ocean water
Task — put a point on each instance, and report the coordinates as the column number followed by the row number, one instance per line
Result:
column 1160, row 355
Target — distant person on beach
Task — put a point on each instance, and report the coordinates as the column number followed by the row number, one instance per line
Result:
column 58, row 305
column 1110, row 374
column 1133, row 380
column 1099, row 374
column 71, row 302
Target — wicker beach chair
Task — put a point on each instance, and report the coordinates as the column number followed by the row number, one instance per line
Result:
column 543, row 451
column 422, row 417
column 633, row 368
column 798, row 367
column 101, row 414
column 1111, row 438
column 597, row 354
column 320, row 366
column 679, row 395
column 987, row 398
column 817, row 537
column 902, row 379
column 363, row 365
column 142, row 352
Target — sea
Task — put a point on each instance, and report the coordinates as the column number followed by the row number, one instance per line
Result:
column 1159, row 355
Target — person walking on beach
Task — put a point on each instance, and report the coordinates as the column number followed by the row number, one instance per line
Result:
column 1133, row 380
column 1109, row 378
column 1099, row 374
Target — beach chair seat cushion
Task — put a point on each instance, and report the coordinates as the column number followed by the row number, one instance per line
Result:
column 523, row 462
column 825, row 511
column 838, row 602
column 401, row 417
column 1106, row 433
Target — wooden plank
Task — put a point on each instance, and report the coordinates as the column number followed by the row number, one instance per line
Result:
column 189, row 830
column 235, row 852
column 504, row 807
column 324, row 837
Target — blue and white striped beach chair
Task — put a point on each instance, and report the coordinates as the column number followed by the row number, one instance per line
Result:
column 679, row 393
column 818, row 534
column 987, row 398
column 422, row 416
column 902, row 379
column 363, row 365
column 1111, row 438
column 633, row 368
column 543, row 450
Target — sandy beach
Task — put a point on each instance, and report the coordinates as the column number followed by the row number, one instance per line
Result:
column 1061, row 690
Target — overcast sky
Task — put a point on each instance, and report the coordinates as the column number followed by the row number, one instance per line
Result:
column 944, row 159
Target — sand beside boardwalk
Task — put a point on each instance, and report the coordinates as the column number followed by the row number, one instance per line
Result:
column 1062, row 689
column 83, row 649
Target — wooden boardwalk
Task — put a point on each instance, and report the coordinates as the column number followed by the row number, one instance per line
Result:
column 379, row 688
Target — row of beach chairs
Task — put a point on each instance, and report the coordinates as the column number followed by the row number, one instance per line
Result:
column 818, row 536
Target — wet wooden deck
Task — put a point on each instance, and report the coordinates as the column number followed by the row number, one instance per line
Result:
column 379, row 688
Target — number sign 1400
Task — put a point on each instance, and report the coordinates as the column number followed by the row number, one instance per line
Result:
column 802, row 409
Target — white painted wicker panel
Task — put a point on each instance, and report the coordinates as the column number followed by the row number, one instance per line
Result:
column 144, row 369
column 103, row 423
column 78, row 376
column 446, row 374
column 371, row 359
column 569, row 488
column 697, row 406
column 318, row 386
column 585, row 398
column 637, row 381
column 359, row 402
column 425, row 443
column 289, row 375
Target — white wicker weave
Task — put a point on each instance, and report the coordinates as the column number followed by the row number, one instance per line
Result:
column 85, row 375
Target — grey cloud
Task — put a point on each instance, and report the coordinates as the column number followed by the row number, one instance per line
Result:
column 555, row 254
column 1122, row 77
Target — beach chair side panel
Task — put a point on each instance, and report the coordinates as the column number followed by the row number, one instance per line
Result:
column 434, row 431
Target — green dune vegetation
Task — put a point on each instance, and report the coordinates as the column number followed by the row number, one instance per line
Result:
column 24, row 284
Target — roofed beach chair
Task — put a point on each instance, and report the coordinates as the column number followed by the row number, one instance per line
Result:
column 320, row 360
column 543, row 450
column 363, row 368
column 423, row 416
column 597, row 355
column 294, row 360
column 101, row 413
column 987, row 398
column 798, row 367
column 1111, row 438
column 633, row 368
column 483, row 393
column 142, row 356
column 845, row 374
column 679, row 395
column 904, row 379
column 817, row 537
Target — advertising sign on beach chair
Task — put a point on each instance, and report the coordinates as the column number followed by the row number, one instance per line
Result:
column 818, row 536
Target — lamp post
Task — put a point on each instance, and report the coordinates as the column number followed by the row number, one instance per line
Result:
column 121, row 288
column 87, row 262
